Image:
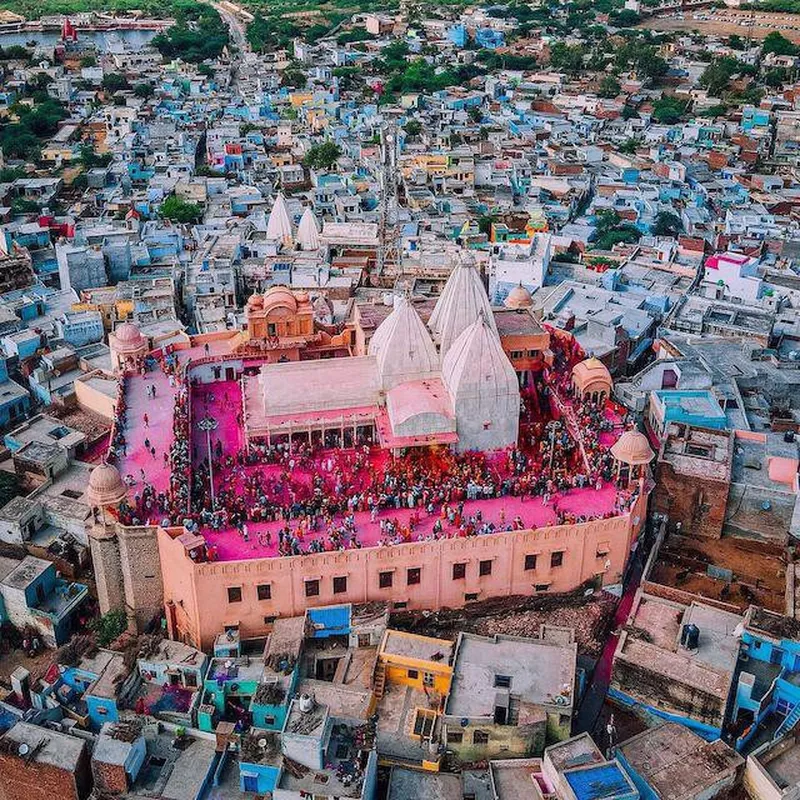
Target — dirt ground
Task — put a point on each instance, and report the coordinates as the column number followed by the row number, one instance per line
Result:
column 727, row 22
column 9, row 661
column 759, row 570
column 520, row 616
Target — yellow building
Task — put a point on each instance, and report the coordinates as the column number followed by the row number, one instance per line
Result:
column 105, row 299
column 412, row 679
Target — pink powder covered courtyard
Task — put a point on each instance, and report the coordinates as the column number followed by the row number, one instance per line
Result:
column 317, row 499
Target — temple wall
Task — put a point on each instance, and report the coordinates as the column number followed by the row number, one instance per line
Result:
column 197, row 596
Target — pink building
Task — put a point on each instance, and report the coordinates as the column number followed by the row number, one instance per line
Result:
column 201, row 599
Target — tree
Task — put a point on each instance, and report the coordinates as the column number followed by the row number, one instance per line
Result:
column 110, row 626
column 413, row 127
column 322, row 156
column 91, row 159
column 475, row 114
column 176, row 209
column 609, row 87
column 567, row 58
column 144, row 90
column 668, row 110
column 775, row 78
column 293, row 77
column 626, row 18
column 88, row 61
column 735, row 42
column 609, row 230
column 198, row 34
column 114, row 82
column 667, row 224
column 776, row 43
column 717, row 75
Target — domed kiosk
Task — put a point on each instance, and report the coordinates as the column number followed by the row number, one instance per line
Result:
column 128, row 347
column 592, row 380
column 632, row 453
column 519, row 298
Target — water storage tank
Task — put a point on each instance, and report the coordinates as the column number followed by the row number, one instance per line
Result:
column 690, row 636
column 306, row 703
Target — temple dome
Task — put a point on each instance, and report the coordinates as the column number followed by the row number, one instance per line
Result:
column 403, row 347
column 519, row 297
column 483, row 387
column 279, row 226
column 476, row 364
column 280, row 297
column 308, row 232
column 106, row 487
column 126, row 341
column 128, row 334
column 632, row 448
column 591, row 377
column 462, row 301
column 590, row 370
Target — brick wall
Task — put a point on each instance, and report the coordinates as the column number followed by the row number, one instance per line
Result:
column 697, row 503
column 36, row 781
column 109, row 777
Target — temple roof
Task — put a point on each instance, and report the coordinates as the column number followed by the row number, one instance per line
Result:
column 402, row 346
column 308, row 232
column 476, row 366
column 279, row 226
column 460, row 304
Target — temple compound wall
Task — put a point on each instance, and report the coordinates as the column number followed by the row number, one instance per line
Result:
column 202, row 598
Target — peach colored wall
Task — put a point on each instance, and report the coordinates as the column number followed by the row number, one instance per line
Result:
column 93, row 400
column 197, row 601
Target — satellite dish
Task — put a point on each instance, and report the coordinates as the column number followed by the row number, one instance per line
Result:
column 262, row 743
column 23, row 749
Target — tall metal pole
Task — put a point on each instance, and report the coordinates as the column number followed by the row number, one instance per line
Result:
column 208, row 424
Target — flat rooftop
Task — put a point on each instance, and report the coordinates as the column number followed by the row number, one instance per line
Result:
column 421, row 648
column 678, row 763
column 536, row 672
column 648, row 643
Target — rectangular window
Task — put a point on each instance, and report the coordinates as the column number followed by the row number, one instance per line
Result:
column 517, row 353
column 557, row 558
column 459, row 571
column 470, row 597
column 269, row 620
column 269, row 720
column 234, row 594
column 480, row 737
column 264, row 591
column 400, row 606
column 413, row 576
column 455, row 737
column 413, row 675
column 340, row 584
column 424, row 722
column 485, row 567
column 385, row 580
column 530, row 561
column 312, row 588
column 502, row 681
column 542, row 587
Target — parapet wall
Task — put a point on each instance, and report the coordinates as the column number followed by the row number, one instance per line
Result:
column 197, row 600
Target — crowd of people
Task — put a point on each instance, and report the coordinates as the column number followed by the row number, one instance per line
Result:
column 314, row 496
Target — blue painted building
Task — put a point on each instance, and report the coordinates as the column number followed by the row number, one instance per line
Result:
column 698, row 407
column 32, row 595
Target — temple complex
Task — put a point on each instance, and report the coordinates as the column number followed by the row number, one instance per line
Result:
column 469, row 452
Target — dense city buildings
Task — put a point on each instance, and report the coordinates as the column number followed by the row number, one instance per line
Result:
column 399, row 401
